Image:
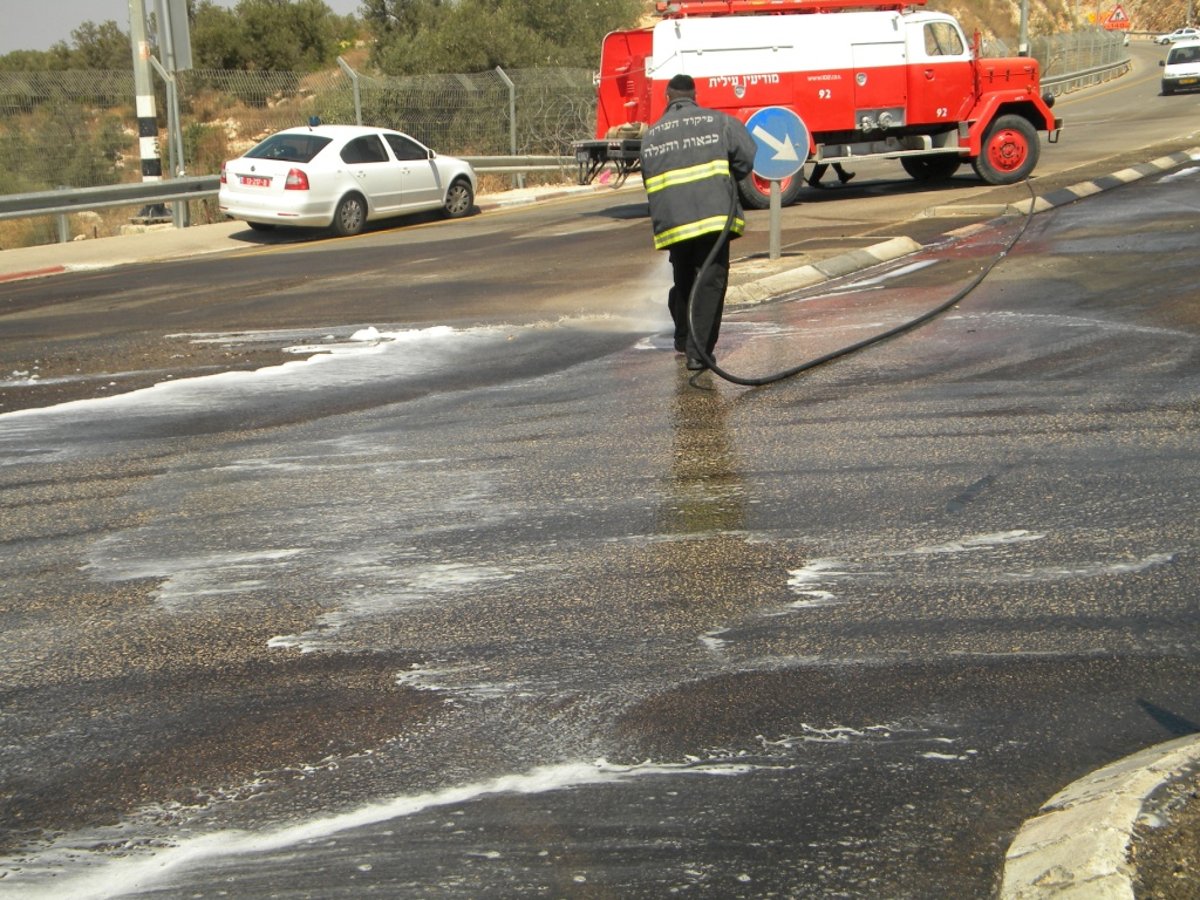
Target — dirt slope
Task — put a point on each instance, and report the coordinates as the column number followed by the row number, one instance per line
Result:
column 1001, row 18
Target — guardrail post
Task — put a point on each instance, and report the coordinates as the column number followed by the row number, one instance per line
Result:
column 64, row 223
column 179, row 210
column 519, row 180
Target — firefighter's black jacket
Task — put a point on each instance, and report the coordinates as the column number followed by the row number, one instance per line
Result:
column 688, row 159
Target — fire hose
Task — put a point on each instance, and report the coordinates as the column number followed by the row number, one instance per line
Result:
column 911, row 324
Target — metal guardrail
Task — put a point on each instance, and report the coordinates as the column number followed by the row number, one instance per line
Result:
column 1064, row 84
column 199, row 187
column 513, row 165
column 68, row 200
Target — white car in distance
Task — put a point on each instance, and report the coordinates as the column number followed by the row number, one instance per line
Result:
column 341, row 177
column 1179, row 34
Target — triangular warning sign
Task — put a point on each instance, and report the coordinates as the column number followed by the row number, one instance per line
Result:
column 1117, row 17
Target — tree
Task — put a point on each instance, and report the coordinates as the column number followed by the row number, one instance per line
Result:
column 26, row 61
column 574, row 28
column 103, row 46
column 388, row 19
column 293, row 35
column 217, row 41
column 426, row 36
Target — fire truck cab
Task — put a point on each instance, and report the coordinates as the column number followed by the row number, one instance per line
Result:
column 878, row 80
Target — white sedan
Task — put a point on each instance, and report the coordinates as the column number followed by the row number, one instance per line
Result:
column 1179, row 34
column 341, row 177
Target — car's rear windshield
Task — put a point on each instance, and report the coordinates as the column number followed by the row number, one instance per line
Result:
column 1183, row 55
column 299, row 148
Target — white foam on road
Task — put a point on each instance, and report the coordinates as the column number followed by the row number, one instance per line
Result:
column 110, row 878
column 977, row 542
column 364, row 359
column 1095, row 569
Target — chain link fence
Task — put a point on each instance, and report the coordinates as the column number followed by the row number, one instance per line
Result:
column 1064, row 57
column 1080, row 57
column 527, row 112
column 78, row 129
column 66, row 129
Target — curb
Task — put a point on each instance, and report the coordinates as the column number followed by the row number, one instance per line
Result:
column 1062, row 196
column 1078, row 846
column 805, row 276
column 32, row 273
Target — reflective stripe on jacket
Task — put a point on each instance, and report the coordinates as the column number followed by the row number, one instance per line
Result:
column 691, row 159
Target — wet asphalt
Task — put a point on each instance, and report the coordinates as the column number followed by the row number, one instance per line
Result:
column 546, row 618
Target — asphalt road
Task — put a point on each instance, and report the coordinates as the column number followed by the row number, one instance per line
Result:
column 506, row 607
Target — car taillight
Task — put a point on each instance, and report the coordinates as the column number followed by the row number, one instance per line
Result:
column 222, row 173
column 296, row 181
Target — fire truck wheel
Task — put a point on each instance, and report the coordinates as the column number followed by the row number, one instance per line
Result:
column 756, row 192
column 930, row 168
column 1010, row 151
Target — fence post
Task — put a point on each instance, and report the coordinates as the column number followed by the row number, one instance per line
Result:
column 179, row 209
column 518, row 180
column 345, row 67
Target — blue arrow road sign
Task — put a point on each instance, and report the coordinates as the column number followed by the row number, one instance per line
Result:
column 782, row 140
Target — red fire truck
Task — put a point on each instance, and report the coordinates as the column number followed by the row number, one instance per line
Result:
column 868, row 80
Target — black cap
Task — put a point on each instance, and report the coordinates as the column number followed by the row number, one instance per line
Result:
column 682, row 82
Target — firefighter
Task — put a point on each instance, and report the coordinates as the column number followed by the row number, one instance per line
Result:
column 819, row 170
column 692, row 159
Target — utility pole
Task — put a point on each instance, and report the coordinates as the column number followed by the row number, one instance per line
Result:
column 174, row 45
column 147, row 115
column 1023, row 38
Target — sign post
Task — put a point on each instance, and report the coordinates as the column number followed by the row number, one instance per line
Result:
column 782, row 140
column 175, row 48
column 147, row 116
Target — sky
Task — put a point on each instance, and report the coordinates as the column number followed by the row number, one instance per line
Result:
column 36, row 24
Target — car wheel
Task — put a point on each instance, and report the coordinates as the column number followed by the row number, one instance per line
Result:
column 756, row 192
column 1010, row 151
column 459, row 199
column 350, row 216
column 930, row 168
column 262, row 226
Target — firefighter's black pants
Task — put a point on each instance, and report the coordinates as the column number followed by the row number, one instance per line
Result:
column 687, row 258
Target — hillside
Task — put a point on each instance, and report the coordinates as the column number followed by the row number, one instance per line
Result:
column 1001, row 18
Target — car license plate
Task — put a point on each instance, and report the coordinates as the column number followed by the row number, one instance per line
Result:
column 255, row 181
column 1188, row 80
